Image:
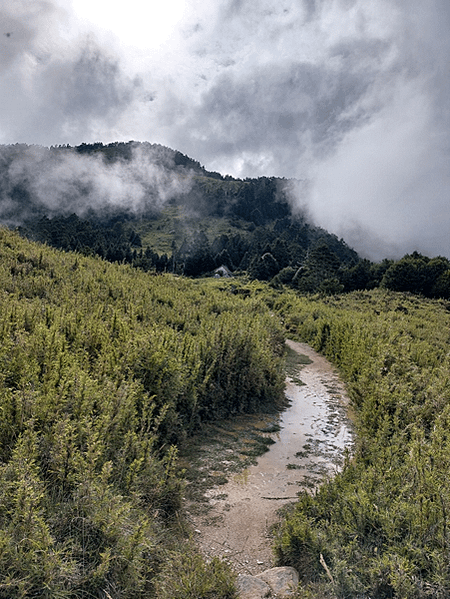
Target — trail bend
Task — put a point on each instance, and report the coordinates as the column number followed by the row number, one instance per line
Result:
column 314, row 432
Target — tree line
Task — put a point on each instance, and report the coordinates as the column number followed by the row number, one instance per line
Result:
column 291, row 253
column 262, row 252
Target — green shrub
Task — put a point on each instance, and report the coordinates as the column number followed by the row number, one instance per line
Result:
column 103, row 370
column 382, row 523
column 189, row 577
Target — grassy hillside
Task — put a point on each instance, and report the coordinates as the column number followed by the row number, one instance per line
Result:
column 104, row 369
column 154, row 208
column 382, row 526
column 174, row 225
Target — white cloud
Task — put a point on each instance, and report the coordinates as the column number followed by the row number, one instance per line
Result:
column 353, row 94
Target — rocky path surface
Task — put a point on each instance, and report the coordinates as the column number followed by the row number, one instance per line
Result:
column 314, row 431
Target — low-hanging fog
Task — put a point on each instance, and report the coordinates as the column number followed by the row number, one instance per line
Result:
column 65, row 181
column 349, row 96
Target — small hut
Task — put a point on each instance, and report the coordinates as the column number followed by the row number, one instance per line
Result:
column 223, row 272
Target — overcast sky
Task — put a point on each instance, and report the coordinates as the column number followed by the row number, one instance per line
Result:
column 351, row 96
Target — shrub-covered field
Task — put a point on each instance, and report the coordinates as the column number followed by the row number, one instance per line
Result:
column 103, row 370
column 382, row 526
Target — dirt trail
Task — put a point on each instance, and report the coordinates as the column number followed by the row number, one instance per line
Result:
column 238, row 525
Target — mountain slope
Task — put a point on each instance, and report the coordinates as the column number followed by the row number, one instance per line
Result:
column 158, row 209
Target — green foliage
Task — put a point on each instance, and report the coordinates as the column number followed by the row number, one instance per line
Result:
column 319, row 271
column 382, row 524
column 419, row 274
column 103, row 370
column 188, row 577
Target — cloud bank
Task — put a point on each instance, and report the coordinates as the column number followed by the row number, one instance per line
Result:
column 63, row 181
column 350, row 96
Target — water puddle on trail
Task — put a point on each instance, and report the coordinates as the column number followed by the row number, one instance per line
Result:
column 314, row 431
column 234, row 504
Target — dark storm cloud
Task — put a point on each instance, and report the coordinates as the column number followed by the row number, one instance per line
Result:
column 285, row 111
column 21, row 25
column 95, row 85
column 283, row 107
column 278, row 111
column 83, row 92
column 310, row 7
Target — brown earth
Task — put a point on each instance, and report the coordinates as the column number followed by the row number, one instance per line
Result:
column 237, row 512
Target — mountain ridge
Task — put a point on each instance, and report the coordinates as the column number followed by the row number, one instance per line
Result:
column 158, row 209
column 149, row 204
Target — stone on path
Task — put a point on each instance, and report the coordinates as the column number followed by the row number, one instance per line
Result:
column 250, row 587
column 283, row 581
column 276, row 582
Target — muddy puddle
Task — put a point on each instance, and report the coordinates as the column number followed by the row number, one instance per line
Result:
column 234, row 496
column 314, row 430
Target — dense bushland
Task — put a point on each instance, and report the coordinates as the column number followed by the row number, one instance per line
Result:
column 103, row 370
column 382, row 525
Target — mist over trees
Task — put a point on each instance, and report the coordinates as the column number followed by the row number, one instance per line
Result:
column 113, row 200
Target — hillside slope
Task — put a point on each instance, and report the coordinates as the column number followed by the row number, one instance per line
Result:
column 104, row 369
column 156, row 208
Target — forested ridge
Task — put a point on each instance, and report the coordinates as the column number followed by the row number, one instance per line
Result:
column 158, row 210
column 154, row 208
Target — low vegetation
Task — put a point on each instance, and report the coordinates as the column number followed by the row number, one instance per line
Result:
column 104, row 370
column 380, row 529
